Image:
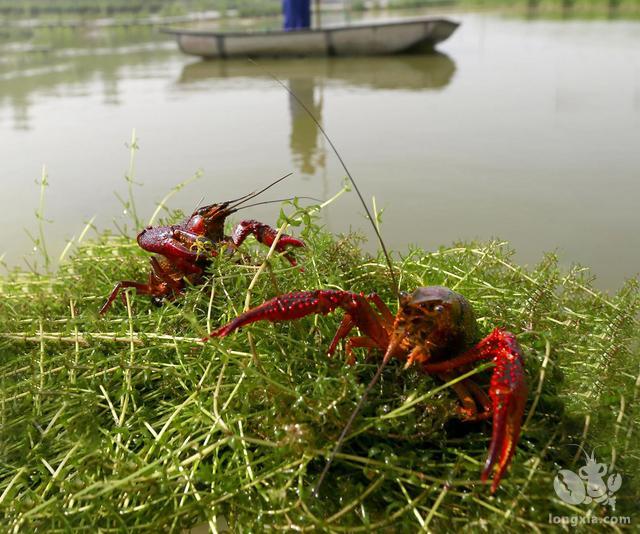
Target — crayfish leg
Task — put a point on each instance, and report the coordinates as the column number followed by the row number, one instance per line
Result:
column 343, row 331
column 481, row 398
column 468, row 408
column 266, row 235
column 144, row 289
column 358, row 342
column 287, row 307
column 160, row 284
column 471, row 397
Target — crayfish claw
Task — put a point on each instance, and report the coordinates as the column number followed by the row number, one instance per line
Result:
column 508, row 392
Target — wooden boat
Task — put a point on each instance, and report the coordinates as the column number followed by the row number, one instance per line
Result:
column 371, row 38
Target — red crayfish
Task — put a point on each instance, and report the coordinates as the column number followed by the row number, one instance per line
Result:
column 185, row 250
column 434, row 328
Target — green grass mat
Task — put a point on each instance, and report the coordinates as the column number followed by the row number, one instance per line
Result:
column 129, row 422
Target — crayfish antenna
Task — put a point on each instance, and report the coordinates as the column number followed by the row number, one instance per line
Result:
column 393, row 345
column 276, row 200
column 347, row 427
column 394, row 282
column 254, row 194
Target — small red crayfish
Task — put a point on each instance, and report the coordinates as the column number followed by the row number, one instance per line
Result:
column 185, row 250
column 434, row 328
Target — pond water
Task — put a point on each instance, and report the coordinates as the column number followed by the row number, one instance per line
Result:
column 523, row 129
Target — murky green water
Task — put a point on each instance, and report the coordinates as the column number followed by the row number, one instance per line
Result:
column 524, row 129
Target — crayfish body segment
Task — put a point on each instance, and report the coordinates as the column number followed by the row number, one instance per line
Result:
column 434, row 328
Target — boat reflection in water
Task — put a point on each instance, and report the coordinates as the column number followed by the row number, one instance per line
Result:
column 308, row 77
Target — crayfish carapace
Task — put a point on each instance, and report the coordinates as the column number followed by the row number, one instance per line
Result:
column 183, row 251
column 434, row 328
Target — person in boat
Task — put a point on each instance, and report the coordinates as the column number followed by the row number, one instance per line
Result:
column 297, row 14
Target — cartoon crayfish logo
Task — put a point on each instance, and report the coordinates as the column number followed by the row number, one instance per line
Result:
column 589, row 485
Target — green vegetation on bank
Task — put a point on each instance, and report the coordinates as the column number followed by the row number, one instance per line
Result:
column 109, row 8
column 17, row 9
column 583, row 9
column 130, row 422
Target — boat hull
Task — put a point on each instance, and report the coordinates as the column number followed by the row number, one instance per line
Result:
column 358, row 40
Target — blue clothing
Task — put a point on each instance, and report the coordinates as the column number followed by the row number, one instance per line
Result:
column 297, row 14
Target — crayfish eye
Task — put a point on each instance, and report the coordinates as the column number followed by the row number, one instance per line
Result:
column 431, row 307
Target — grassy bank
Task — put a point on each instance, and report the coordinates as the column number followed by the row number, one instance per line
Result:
column 129, row 421
column 132, row 9
column 19, row 9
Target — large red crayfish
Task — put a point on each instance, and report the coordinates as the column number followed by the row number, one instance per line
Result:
column 185, row 250
column 434, row 328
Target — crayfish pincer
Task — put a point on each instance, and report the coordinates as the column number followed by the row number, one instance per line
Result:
column 434, row 328
column 183, row 251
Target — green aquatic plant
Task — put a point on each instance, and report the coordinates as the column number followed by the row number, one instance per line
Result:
column 130, row 422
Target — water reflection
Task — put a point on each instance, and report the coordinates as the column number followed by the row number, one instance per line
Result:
column 303, row 139
column 410, row 72
column 308, row 78
column 67, row 68
column 550, row 148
